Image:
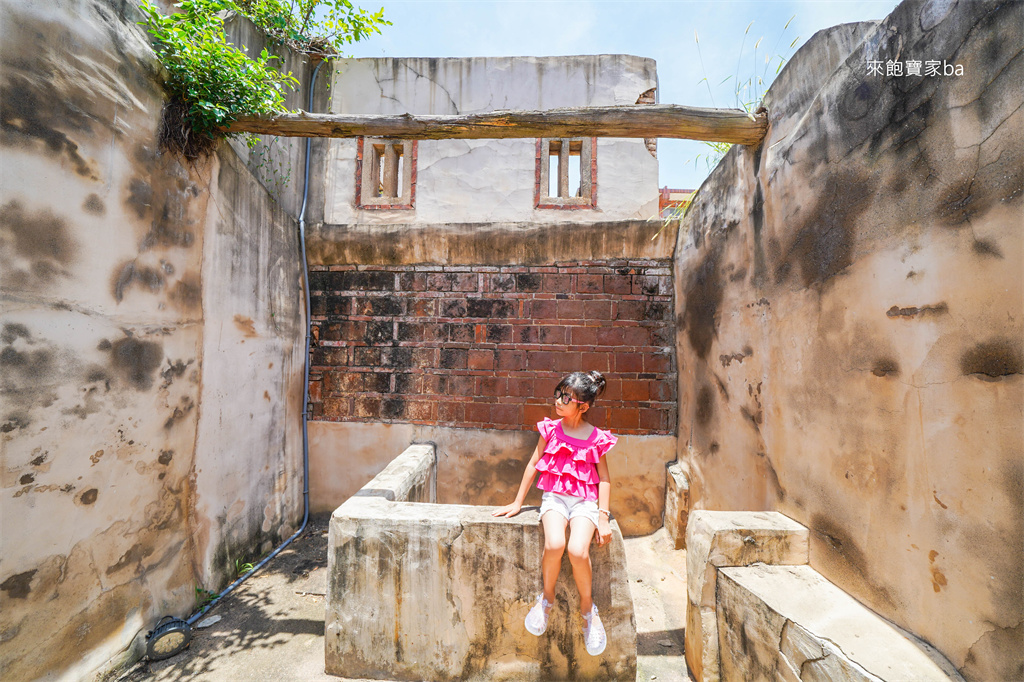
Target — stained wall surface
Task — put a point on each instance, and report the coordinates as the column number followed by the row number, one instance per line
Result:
column 849, row 296
column 481, row 466
column 150, row 366
column 485, row 181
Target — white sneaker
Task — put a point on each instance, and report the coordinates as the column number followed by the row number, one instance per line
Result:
column 537, row 618
column 593, row 632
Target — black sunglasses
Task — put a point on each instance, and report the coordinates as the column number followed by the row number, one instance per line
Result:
column 565, row 398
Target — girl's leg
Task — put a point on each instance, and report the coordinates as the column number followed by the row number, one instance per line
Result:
column 581, row 532
column 554, row 545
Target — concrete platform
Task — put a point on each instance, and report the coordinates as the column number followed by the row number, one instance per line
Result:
column 272, row 626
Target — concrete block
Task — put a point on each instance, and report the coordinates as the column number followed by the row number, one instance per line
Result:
column 420, row 591
column 677, row 503
column 439, row 592
column 717, row 539
column 790, row 623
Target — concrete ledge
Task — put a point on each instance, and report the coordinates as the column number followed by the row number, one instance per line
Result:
column 410, row 477
column 677, row 503
column 716, row 539
column 790, row 623
column 436, row 592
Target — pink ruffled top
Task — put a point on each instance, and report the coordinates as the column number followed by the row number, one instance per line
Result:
column 569, row 465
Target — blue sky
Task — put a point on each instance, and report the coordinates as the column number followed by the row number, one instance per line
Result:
column 662, row 30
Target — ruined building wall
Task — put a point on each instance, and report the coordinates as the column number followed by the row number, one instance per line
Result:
column 151, row 357
column 452, row 320
column 850, row 303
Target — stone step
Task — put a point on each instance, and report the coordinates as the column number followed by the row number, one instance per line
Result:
column 790, row 623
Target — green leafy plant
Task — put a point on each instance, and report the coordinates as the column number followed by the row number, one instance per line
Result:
column 204, row 597
column 320, row 27
column 212, row 82
column 241, row 568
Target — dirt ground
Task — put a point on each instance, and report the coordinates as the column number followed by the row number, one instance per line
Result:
column 272, row 626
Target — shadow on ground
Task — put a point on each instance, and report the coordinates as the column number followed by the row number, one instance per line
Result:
column 272, row 626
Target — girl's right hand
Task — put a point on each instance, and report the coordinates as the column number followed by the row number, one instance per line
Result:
column 508, row 510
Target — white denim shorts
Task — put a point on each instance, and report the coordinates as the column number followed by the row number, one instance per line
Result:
column 569, row 506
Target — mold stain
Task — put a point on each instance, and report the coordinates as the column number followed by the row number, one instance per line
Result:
column 884, row 367
column 823, row 245
column 705, row 405
column 18, row 585
column 89, row 496
column 13, row 331
column 174, row 370
column 727, row 360
column 186, row 293
column 987, row 248
column 41, row 238
column 993, row 360
column 139, row 197
column 14, row 422
column 955, row 205
column 703, row 297
column 137, row 361
column 94, row 204
column 180, row 412
column 165, row 457
column 135, row 555
column 27, row 365
column 130, row 274
column 838, row 540
column 29, row 117
column 935, row 496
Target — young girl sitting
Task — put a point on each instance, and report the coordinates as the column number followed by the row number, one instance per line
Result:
column 574, row 476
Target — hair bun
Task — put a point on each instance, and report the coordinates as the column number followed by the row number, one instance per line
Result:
column 598, row 380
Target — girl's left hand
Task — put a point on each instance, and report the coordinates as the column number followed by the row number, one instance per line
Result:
column 604, row 532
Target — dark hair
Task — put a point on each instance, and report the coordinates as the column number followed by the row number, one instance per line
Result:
column 586, row 386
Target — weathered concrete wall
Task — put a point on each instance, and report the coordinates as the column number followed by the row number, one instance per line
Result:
column 473, row 181
column 396, row 569
column 480, row 466
column 850, row 303
column 151, row 349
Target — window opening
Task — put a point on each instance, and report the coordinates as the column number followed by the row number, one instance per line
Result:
column 566, row 173
column 385, row 173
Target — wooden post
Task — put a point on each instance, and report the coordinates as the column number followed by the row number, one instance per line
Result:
column 640, row 120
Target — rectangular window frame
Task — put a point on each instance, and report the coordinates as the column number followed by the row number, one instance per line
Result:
column 368, row 158
column 588, row 174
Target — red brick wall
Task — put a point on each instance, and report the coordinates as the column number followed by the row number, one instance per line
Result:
column 483, row 347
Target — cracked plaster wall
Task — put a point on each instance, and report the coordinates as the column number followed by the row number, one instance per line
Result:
column 851, row 314
column 469, row 181
column 150, row 379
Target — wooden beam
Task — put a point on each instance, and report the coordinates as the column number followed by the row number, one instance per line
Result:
column 640, row 120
